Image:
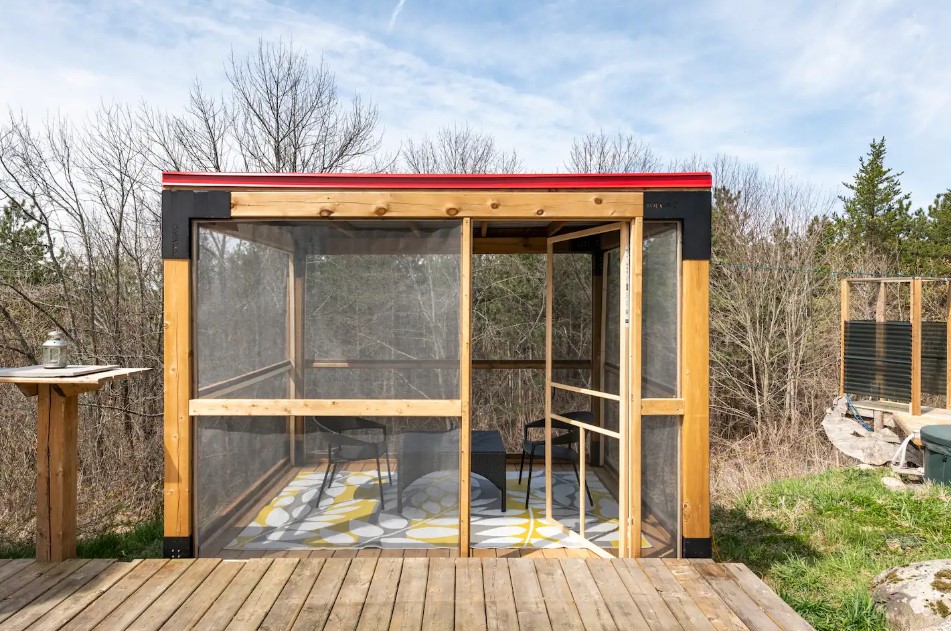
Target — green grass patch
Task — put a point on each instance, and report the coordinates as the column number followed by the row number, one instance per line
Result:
column 818, row 541
column 141, row 541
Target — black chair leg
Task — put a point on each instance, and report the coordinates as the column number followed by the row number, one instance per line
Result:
column 521, row 467
column 379, row 476
column 528, row 482
column 389, row 474
column 327, row 481
column 587, row 490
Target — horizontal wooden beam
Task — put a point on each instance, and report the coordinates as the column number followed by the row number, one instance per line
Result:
column 396, row 204
column 325, row 407
column 509, row 245
column 481, row 364
column 662, row 407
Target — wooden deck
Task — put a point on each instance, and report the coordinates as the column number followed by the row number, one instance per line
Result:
column 388, row 593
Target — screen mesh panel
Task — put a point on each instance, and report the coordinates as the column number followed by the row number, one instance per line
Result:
column 380, row 296
column 934, row 357
column 241, row 303
column 878, row 359
column 660, row 302
column 660, row 485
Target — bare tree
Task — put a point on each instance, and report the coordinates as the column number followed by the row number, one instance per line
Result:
column 456, row 149
column 289, row 115
column 282, row 114
column 603, row 153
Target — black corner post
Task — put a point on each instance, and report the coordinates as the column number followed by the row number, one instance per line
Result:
column 179, row 208
column 694, row 209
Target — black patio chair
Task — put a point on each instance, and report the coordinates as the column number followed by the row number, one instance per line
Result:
column 564, row 446
column 342, row 447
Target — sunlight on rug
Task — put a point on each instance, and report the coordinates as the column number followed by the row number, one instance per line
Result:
column 349, row 514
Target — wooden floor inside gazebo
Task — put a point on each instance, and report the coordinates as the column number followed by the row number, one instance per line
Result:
column 377, row 592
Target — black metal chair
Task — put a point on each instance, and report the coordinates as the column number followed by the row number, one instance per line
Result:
column 342, row 447
column 564, row 446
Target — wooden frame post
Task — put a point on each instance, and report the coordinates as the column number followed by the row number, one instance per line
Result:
column 915, row 347
column 636, row 297
column 843, row 318
column 878, row 417
column 296, row 349
column 56, row 450
column 947, row 319
column 178, row 520
column 465, row 385
column 597, row 363
column 695, row 434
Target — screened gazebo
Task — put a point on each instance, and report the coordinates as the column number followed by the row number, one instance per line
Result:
column 330, row 382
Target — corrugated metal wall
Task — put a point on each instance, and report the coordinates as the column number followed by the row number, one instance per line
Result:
column 878, row 359
column 934, row 357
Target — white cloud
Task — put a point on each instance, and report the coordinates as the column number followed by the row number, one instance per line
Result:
column 396, row 14
column 798, row 85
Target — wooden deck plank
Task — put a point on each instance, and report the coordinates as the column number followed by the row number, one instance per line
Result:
column 388, row 592
column 259, row 602
column 345, row 613
column 558, row 601
column 675, row 596
column 529, row 600
column 777, row 609
column 410, row 596
column 500, row 612
column 720, row 616
column 223, row 610
column 27, row 574
column 470, row 595
column 290, row 601
column 165, row 606
column 24, row 616
column 378, row 608
column 438, row 611
column 618, row 600
column 198, row 603
column 655, row 611
column 67, row 608
column 724, row 584
column 13, row 567
column 132, row 607
column 317, row 605
column 591, row 606
column 54, row 573
column 115, row 595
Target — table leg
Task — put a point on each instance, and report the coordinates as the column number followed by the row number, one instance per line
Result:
column 56, row 463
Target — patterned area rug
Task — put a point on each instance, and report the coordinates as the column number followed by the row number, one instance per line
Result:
column 349, row 514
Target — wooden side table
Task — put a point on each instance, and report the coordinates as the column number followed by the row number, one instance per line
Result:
column 57, row 391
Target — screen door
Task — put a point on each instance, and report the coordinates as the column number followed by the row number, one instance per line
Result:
column 590, row 470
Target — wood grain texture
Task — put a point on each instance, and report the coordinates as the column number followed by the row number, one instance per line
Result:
column 695, row 433
column 494, row 205
column 177, row 373
column 325, row 407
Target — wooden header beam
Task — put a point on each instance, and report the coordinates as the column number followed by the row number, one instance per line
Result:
column 496, row 205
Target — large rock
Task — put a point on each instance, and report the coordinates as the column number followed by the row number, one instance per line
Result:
column 853, row 440
column 917, row 596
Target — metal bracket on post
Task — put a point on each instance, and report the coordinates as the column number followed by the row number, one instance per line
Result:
column 179, row 208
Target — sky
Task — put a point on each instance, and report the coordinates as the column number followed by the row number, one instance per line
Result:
column 793, row 86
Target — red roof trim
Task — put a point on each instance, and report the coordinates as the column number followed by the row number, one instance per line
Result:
column 414, row 181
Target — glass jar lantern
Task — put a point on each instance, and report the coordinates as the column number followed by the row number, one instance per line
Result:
column 54, row 350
